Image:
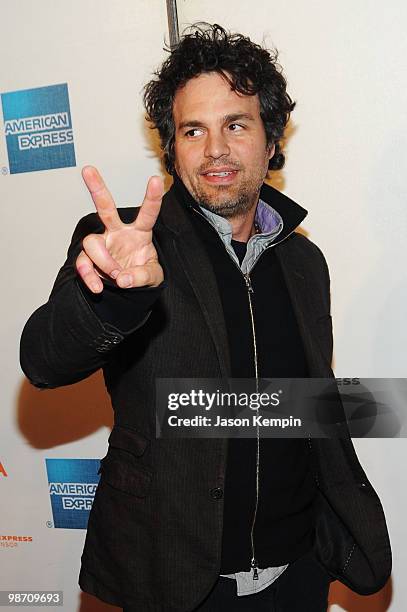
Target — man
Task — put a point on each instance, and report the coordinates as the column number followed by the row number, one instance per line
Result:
column 209, row 281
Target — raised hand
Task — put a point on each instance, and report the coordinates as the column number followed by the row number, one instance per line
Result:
column 125, row 251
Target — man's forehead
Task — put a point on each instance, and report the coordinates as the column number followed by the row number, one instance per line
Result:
column 210, row 95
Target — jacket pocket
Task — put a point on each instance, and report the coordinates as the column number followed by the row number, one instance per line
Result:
column 334, row 544
column 122, row 468
column 128, row 440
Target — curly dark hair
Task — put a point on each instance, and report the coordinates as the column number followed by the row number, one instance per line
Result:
column 247, row 67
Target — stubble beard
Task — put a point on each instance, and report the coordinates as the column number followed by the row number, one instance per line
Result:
column 237, row 205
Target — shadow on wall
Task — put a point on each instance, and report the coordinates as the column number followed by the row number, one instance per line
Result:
column 349, row 601
column 276, row 178
column 152, row 150
column 59, row 416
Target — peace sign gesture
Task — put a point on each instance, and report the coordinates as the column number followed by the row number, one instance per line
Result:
column 125, row 251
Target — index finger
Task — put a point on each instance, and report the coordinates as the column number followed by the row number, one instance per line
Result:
column 151, row 205
column 102, row 198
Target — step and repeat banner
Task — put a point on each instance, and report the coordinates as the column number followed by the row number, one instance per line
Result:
column 71, row 82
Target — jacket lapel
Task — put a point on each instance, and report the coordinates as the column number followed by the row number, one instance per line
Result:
column 198, row 270
column 295, row 278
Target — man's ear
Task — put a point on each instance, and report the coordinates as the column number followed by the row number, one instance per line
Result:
column 271, row 150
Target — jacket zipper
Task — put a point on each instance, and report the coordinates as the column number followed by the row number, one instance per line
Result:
column 253, row 562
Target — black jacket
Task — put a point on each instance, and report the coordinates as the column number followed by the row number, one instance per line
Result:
column 155, row 528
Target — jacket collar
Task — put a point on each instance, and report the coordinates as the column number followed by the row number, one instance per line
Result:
column 291, row 213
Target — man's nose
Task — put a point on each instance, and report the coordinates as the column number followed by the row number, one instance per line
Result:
column 216, row 145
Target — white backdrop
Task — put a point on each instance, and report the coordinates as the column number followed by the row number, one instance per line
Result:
column 345, row 64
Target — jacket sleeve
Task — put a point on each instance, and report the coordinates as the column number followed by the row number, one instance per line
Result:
column 75, row 332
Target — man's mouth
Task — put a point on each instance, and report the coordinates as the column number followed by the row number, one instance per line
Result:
column 220, row 175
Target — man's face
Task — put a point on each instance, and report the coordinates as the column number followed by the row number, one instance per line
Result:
column 221, row 153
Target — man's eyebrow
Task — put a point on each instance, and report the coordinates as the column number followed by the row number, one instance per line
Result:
column 191, row 123
column 237, row 116
column 226, row 119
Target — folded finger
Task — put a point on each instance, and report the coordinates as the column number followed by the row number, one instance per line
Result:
column 86, row 270
column 94, row 247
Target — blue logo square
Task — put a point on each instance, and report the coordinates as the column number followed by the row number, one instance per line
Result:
column 72, row 487
column 38, row 129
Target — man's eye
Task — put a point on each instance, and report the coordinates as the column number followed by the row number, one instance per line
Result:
column 235, row 127
column 194, row 132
